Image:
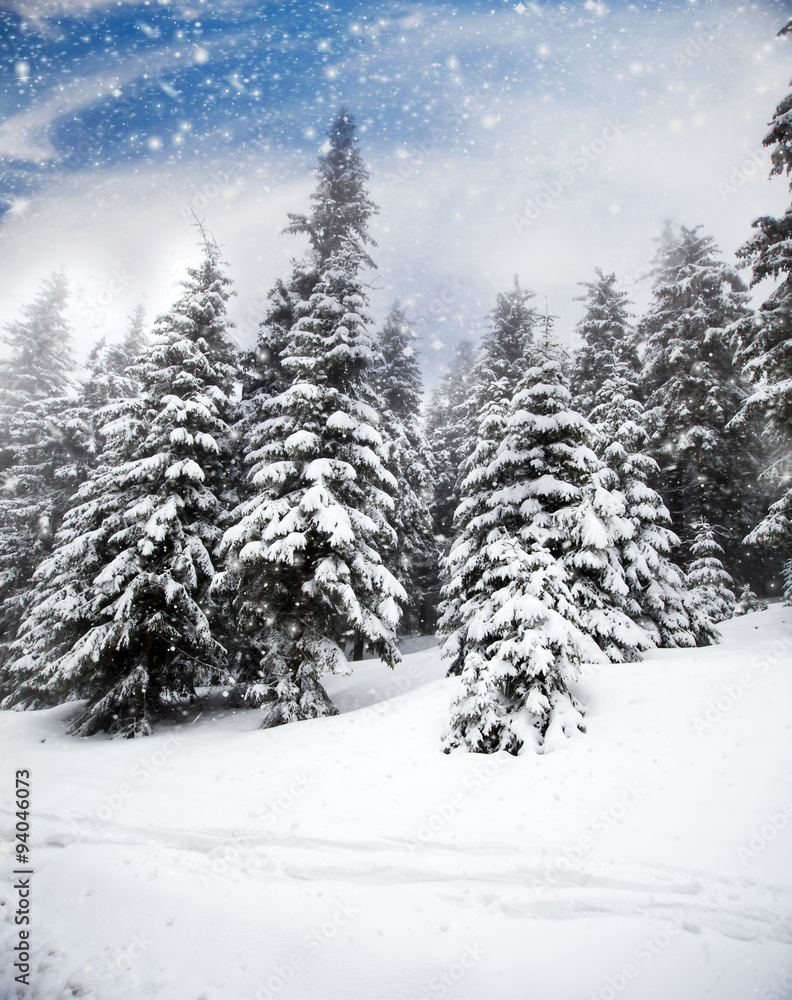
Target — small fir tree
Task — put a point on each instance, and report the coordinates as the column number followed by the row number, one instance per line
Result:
column 707, row 579
column 748, row 602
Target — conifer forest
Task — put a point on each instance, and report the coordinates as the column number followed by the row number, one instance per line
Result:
column 486, row 624
column 185, row 514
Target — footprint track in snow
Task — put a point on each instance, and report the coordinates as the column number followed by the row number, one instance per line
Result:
column 510, row 881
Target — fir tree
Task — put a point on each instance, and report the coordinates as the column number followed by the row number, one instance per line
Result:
column 122, row 616
column 693, row 390
column 305, row 563
column 656, row 587
column 341, row 212
column 511, row 624
column 748, row 602
column 765, row 342
column 505, row 356
column 448, row 430
column 707, row 579
column 455, row 416
column 341, row 205
column 397, row 396
column 305, row 558
column 607, row 340
column 599, row 529
column 787, row 578
column 108, row 378
column 506, row 342
column 123, row 354
column 41, row 445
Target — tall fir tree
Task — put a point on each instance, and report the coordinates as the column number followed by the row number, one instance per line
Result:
column 765, row 349
column 304, row 560
column 398, row 388
column 42, row 445
column 511, row 625
column 693, row 390
column 122, row 614
column 608, row 340
column 341, row 205
column 341, row 211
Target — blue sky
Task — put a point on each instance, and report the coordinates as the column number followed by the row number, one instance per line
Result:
column 539, row 138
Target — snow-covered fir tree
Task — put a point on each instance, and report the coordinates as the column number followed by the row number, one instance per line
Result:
column 264, row 377
column 511, row 625
column 108, row 377
column 747, row 602
column 341, row 206
column 122, row 615
column 766, row 350
column 448, row 430
column 708, row 581
column 597, row 528
column 607, row 337
column 504, row 357
column 341, row 211
column 656, row 586
column 505, row 346
column 397, row 385
column 693, row 389
column 41, row 445
column 121, row 355
column 478, row 381
column 304, row 560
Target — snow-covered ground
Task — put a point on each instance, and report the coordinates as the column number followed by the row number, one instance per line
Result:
column 349, row 858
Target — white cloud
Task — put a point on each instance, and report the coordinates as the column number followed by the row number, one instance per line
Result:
column 127, row 238
column 25, row 136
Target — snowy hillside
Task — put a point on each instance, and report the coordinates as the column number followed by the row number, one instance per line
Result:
column 349, row 858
